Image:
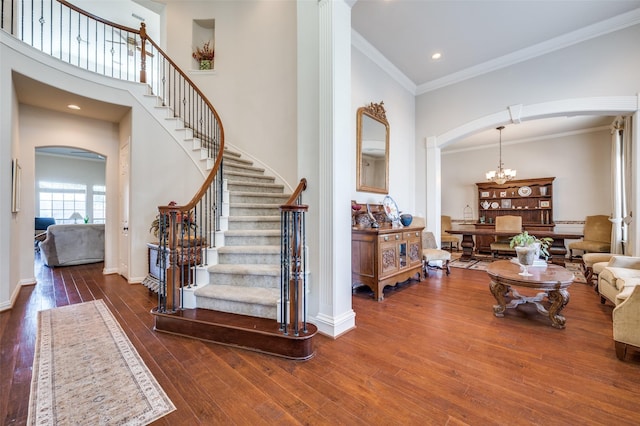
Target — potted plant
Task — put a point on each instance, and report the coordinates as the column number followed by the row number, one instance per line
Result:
column 204, row 55
column 528, row 248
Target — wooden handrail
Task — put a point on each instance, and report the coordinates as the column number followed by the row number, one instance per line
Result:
column 301, row 187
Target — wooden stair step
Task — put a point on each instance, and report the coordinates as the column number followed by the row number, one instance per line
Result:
column 240, row 331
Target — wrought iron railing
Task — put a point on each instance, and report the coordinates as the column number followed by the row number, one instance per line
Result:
column 293, row 264
column 72, row 35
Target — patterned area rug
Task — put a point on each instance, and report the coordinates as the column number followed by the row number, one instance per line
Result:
column 482, row 262
column 86, row 371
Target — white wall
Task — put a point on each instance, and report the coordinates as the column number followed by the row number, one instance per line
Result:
column 369, row 83
column 253, row 86
column 580, row 163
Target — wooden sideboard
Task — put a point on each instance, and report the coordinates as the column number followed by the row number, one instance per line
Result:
column 385, row 256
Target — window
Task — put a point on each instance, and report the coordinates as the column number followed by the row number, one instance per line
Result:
column 99, row 204
column 62, row 200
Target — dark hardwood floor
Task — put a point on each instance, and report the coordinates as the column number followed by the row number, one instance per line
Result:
column 430, row 353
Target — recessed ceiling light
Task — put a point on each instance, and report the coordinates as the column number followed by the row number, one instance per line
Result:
column 436, row 56
column 72, row 106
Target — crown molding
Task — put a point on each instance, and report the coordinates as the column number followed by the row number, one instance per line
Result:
column 607, row 26
column 379, row 59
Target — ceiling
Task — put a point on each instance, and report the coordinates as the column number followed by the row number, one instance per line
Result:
column 473, row 36
column 479, row 36
column 35, row 93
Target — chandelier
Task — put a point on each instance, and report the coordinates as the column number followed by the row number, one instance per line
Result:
column 501, row 175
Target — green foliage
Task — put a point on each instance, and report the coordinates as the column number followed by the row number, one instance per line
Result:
column 525, row 239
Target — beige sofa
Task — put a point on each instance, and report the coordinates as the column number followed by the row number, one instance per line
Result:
column 78, row 244
column 626, row 323
column 618, row 278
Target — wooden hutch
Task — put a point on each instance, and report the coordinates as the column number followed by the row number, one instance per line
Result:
column 530, row 198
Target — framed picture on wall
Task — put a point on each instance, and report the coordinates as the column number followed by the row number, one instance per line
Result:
column 544, row 204
column 505, row 203
column 484, row 194
column 503, row 194
column 16, row 176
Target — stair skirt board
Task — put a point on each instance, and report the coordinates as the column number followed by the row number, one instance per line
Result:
column 240, row 331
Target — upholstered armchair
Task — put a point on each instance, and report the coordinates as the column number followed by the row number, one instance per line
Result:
column 593, row 264
column 618, row 278
column 597, row 236
column 506, row 223
column 445, row 237
column 626, row 323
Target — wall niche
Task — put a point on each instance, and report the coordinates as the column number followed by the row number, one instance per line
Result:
column 203, row 40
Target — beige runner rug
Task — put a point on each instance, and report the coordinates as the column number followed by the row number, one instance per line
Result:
column 86, row 371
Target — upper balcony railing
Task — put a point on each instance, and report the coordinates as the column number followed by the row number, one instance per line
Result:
column 64, row 31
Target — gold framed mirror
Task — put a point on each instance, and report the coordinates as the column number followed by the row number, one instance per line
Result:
column 372, row 158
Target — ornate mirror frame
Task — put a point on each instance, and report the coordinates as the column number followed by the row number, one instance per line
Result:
column 372, row 157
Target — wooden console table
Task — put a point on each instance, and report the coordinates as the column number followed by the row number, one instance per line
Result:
column 385, row 256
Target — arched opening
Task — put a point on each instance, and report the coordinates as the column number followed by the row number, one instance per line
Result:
column 602, row 106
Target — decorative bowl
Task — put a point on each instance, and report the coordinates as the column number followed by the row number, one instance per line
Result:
column 406, row 219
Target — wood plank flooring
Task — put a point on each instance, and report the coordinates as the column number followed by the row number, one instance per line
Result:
column 431, row 353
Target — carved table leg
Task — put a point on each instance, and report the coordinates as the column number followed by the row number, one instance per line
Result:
column 558, row 299
column 467, row 247
column 499, row 290
column 558, row 251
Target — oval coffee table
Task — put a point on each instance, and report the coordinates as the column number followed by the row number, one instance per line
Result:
column 552, row 281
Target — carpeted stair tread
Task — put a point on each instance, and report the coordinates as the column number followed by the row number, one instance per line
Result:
column 237, row 160
column 252, row 232
column 269, row 185
column 238, row 173
column 256, row 205
column 262, row 194
column 254, row 295
column 254, row 218
column 250, row 249
column 245, row 269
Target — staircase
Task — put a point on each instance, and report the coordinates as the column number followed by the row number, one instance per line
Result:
column 246, row 279
column 240, row 304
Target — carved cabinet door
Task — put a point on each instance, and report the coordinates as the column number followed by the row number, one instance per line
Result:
column 389, row 261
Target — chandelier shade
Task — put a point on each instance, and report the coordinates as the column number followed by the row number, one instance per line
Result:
column 501, row 175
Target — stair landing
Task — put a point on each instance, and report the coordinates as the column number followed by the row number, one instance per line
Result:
column 240, row 331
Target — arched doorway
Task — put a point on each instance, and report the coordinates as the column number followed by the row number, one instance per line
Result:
column 615, row 105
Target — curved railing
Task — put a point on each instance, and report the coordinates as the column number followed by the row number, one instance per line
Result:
column 293, row 261
column 77, row 37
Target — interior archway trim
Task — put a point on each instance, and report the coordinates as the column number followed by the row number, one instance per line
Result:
column 604, row 105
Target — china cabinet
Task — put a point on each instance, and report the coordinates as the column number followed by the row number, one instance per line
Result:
column 532, row 199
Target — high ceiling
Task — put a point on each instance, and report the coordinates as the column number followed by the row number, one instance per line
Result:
column 478, row 36
column 473, row 36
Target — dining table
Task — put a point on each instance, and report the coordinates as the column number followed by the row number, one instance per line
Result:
column 557, row 250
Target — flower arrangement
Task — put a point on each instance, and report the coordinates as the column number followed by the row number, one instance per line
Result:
column 205, row 53
column 185, row 220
